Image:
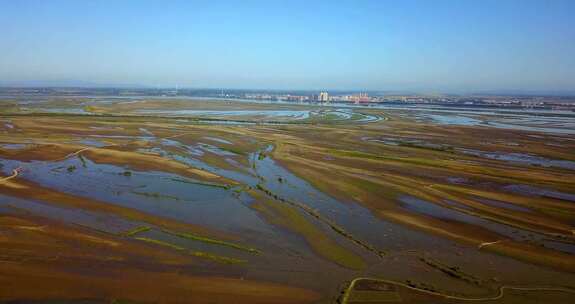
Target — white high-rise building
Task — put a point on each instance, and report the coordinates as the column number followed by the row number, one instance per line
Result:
column 323, row 97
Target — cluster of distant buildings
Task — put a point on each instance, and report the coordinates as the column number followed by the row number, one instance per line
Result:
column 534, row 102
column 322, row 97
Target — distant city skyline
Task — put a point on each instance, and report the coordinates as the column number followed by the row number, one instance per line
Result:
column 420, row 46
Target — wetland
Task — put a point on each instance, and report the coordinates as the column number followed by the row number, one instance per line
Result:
column 151, row 200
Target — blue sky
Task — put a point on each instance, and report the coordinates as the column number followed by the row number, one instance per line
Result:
column 432, row 45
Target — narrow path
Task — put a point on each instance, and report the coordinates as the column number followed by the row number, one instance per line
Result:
column 500, row 291
column 488, row 243
column 74, row 153
column 15, row 173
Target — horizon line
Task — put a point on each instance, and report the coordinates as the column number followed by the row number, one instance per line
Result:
column 502, row 92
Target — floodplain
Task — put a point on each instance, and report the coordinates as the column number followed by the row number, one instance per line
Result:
column 135, row 200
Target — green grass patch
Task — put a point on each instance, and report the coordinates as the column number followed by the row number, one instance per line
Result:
column 198, row 238
column 82, row 159
column 452, row 271
column 199, row 254
column 227, row 187
column 287, row 216
column 137, row 230
column 233, row 150
column 160, row 243
column 156, row 195
column 439, row 148
column 410, row 160
column 216, row 258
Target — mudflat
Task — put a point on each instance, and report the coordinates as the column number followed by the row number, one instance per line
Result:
column 181, row 201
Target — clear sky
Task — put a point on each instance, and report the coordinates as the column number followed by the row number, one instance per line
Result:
column 431, row 45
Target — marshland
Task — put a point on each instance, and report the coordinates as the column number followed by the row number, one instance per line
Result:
column 148, row 200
